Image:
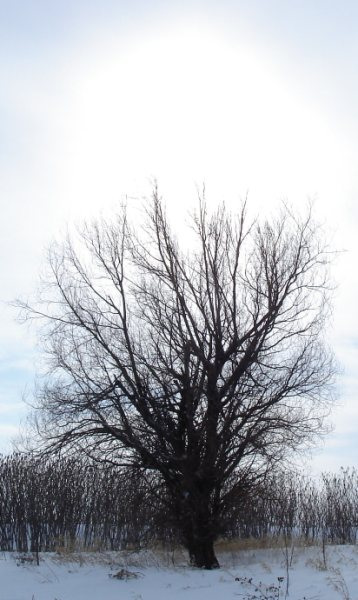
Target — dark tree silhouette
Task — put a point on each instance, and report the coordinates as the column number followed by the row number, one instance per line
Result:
column 205, row 366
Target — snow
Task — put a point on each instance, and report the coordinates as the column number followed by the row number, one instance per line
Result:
column 249, row 575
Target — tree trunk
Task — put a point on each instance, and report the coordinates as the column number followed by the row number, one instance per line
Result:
column 202, row 555
column 196, row 515
column 198, row 528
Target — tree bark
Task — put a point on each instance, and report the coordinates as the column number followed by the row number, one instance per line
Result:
column 198, row 528
column 202, row 554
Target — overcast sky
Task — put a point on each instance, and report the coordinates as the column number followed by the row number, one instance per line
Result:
column 98, row 97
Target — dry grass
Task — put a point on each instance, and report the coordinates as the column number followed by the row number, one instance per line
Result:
column 159, row 555
column 264, row 543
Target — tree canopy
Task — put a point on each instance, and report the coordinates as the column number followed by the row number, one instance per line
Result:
column 203, row 363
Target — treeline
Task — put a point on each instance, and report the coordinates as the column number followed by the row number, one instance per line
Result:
column 293, row 505
column 65, row 502
column 69, row 503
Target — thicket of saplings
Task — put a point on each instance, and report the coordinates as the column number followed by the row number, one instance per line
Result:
column 69, row 504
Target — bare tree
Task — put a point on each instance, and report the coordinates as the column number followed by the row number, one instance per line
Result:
column 204, row 366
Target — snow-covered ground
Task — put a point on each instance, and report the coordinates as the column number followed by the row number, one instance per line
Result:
column 249, row 575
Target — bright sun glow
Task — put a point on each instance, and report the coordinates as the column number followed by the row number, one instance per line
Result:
column 196, row 108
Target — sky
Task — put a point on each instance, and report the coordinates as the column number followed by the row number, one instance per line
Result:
column 254, row 98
